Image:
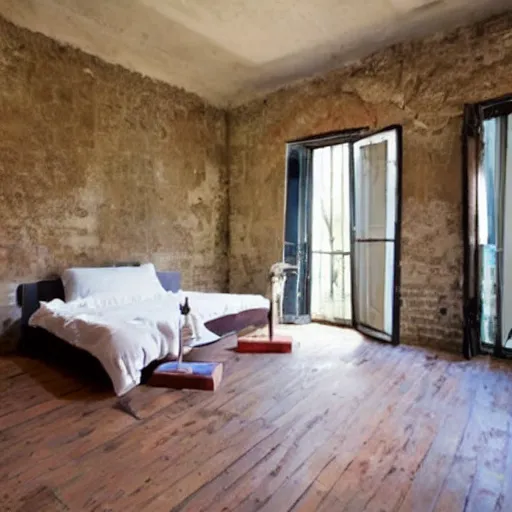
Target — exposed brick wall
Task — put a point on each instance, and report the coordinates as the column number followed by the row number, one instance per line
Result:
column 422, row 86
column 99, row 165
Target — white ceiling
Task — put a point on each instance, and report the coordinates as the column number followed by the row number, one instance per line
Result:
column 228, row 51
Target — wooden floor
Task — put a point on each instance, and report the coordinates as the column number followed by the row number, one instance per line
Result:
column 340, row 424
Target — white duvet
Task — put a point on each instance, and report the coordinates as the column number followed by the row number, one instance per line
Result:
column 127, row 335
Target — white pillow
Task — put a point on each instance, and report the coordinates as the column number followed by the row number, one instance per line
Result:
column 142, row 281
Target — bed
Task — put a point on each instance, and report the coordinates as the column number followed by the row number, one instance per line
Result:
column 221, row 320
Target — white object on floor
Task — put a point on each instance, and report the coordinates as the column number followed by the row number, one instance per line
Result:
column 278, row 275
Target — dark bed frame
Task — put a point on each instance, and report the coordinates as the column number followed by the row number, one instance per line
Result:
column 39, row 343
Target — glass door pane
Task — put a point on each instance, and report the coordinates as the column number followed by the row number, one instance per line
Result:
column 506, row 305
column 330, row 235
column 375, row 279
column 488, row 181
column 375, row 216
column 296, row 235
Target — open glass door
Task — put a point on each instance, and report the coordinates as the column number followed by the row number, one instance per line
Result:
column 482, row 173
column 487, row 195
column 506, row 240
column 296, row 235
column 376, row 215
column 490, row 249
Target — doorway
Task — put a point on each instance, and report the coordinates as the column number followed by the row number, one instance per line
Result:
column 487, row 191
column 342, row 231
column 331, row 289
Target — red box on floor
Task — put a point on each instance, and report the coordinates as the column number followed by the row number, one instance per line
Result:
column 197, row 375
column 279, row 344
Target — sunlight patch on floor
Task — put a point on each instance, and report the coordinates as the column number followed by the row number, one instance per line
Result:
column 315, row 334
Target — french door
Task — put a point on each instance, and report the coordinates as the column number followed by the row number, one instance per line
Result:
column 375, row 232
column 351, row 276
column 487, row 208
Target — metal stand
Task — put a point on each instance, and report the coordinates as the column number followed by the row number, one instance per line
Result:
column 180, row 367
column 190, row 375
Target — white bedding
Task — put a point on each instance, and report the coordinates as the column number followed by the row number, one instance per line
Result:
column 127, row 335
column 208, row 306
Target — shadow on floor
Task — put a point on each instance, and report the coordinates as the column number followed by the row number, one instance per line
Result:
column 66, row 374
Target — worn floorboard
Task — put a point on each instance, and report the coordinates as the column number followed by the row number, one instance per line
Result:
column 341, row 424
